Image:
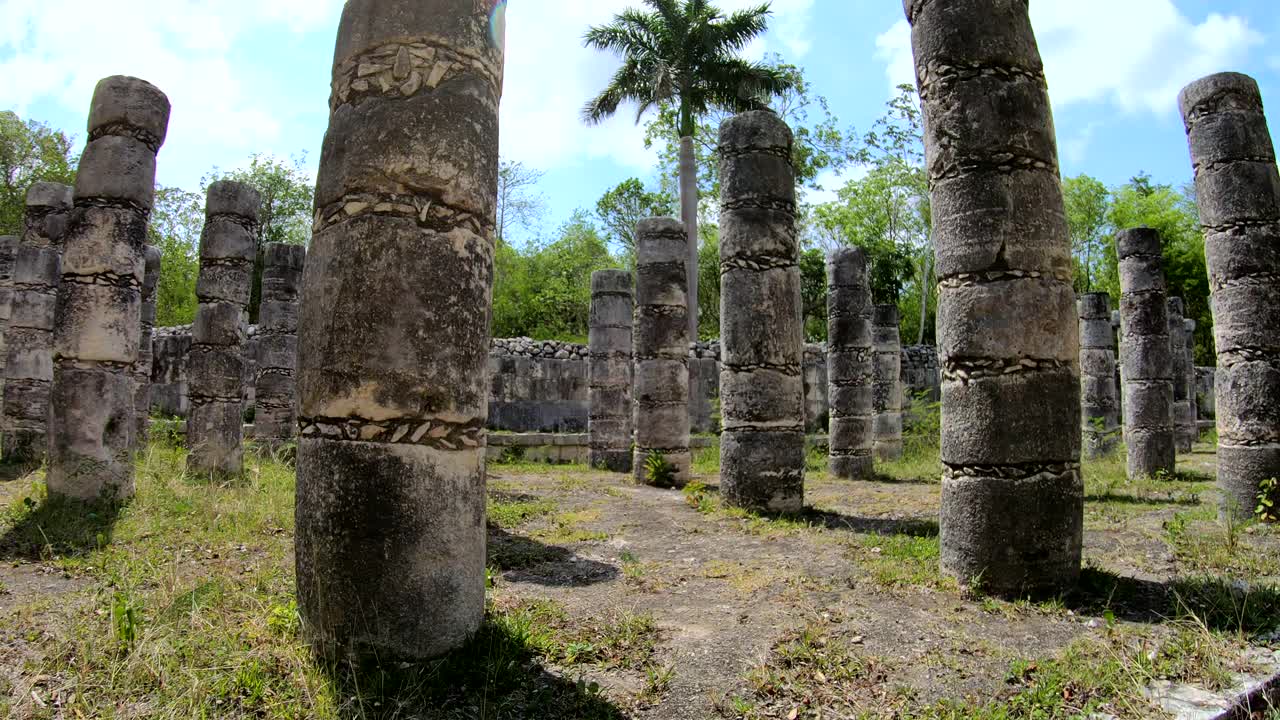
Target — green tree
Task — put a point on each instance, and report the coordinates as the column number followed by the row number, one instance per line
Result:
column 709, row 282
column 1087, row 202
column 623, row 206
column 684, row 53
column 813, row 294
column 877, row 214
column 29, row 152
column 177, row 220
column 519, row 205
column 544, row 290
column 1172, row 211
column 288, row 199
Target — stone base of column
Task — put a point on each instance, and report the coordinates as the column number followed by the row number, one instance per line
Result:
column 742, row 482
column 1152, row 451
column 1241, row 472
column 852, row 467
column 92, row 418
column 410, row 551
column 1044, row 511
column 888, row 437
column 680, row 460
column 215, row 437
column 610, row 459
column 1182, row 436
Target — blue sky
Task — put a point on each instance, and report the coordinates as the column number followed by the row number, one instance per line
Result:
column 252, row 76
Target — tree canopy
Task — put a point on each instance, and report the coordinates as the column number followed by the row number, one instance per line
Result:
column 30, row 152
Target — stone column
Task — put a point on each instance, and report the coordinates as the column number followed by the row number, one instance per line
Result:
column 1238, row 193
column 887, row 378
column 609, row 371
column 216, row 361
column 275, row 418
column 142, row 368
column 99, row 307
column 761, row 329
column 850, row 365
column 8, row 256
column 1009, row 341
column 1182, row 438
column 394, row 333
column 1118, row 338
column 1100, row 404
column 1193, row 398
column 1145, row 355
column 661, row 349
column 29, row 368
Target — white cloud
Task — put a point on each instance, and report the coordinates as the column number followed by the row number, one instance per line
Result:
column 550, row 76
column 1136, row 54
column 1075, row 148
column 893, row 48
column 194, row 50
column 61, row 48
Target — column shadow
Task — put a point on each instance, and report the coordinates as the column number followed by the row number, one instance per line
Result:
column 498, row 675
column 59, row 527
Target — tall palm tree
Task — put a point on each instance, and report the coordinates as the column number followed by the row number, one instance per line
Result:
column 684, row 52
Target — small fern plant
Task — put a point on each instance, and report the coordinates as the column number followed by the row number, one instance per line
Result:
column 658, row 470
column 1268, row 510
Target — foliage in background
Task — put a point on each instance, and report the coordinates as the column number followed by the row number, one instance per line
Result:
column 1087, row 201
column 176, row 223
column 1095, row 214
column 288, row 200
column 30, row 152
column 544, row 290
column 519, row 203
column 886, row 212
column 626, row 204
column 709, row 282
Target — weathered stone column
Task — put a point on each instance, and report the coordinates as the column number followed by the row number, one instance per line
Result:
column 850, row 365
column 142, row 367
column 1119, row 338
column 29, row 368
column 609, row 371
column 887, row 389
column 99, row 307
column 1145, row 355
column 1238, row 193
column 661, row 349
column 1182, row 436
column 1009, row 341
column 275, row 419
column 1193, row 398
column 394, row 333
column 8, row 256
column 227, row 251
column 761, row 329
column 1100, row 403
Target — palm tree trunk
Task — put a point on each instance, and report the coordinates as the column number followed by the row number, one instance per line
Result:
column 689, row 214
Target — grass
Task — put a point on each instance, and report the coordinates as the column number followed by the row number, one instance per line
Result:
column 186, row 609
column 182, row 605
column 900, row 560
column 746, row 579
column 820, row 670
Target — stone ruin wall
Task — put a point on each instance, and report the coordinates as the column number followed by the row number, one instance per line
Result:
column 541, row 385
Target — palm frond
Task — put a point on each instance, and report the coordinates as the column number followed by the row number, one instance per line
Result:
column 735, row 32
